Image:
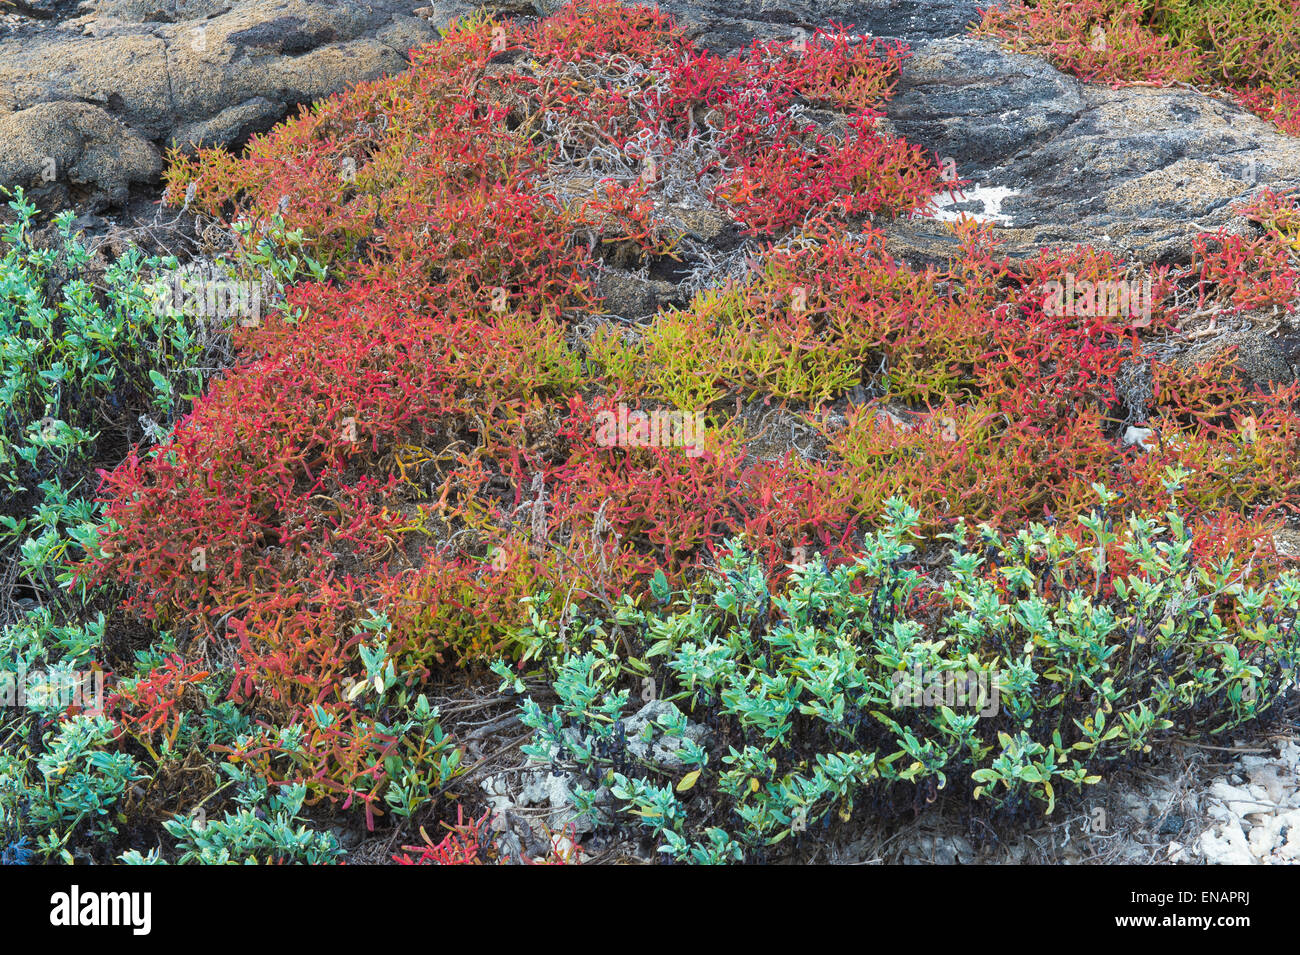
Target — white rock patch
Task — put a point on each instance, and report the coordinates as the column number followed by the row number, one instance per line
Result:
column 991, row 197
column 1257, row 812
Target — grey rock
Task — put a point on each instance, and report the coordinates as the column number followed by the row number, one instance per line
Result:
column 547, row 789
column 510, row 846
column 629, row 296
column 64, row 153
column 157, row 11
column 646, row 739
column 1262, row 359
column 966, row 99
column 1137, row 170
column 184, row 73
column 727, row 27
column 234, row 125
column 40, row 9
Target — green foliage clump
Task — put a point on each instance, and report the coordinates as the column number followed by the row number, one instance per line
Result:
column 1016, row 672
column 95, row 354
column 1245, row 41
column 83, row 354
column 268, row 828
column 75, row 795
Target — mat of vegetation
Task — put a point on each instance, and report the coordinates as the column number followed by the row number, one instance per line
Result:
column 1245, row 48
column 406, row 475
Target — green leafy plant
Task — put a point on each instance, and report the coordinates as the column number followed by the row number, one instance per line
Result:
column 268, row 828
column 1015, row 672
column 79, row 783
column 84, row 353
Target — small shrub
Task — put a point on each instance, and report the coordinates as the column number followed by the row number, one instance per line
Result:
column 73, row 799
column 86, row 354
column 1010, row 676
column 267, row 829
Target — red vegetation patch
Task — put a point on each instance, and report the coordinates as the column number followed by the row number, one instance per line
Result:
column 1244, row 47
column 422, row 444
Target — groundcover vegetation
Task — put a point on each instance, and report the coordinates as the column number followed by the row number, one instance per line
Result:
column 308, row 528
